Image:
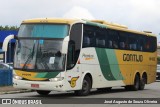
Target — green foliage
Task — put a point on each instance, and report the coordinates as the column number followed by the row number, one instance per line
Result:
column 8, row 28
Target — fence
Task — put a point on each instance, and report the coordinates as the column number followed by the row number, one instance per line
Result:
column 6, row 77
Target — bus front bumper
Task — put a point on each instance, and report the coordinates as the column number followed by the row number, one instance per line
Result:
column 39, row 85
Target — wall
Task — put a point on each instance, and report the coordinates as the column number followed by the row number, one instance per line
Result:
column 10, row 52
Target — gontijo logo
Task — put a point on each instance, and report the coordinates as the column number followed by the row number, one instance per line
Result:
column 132, row 57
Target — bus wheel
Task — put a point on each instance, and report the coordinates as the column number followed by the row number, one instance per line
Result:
column 128, row 88
column 143, row 81
column 41, row 92
column 136, row 84
column 86, row 87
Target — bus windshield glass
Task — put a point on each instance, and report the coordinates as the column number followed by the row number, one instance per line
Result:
column 43, row 30
column 39, row 55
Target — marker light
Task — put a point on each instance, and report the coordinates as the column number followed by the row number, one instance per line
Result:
column 17, row 77
column 56, row 79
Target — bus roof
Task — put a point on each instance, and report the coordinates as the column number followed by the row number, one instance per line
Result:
column 121, row 27
column 100, row 23
column 50, row 20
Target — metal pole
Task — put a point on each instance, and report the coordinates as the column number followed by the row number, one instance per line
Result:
column 5, row 57
column 9, row 59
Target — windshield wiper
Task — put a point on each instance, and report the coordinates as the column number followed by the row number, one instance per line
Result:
column 30, row 56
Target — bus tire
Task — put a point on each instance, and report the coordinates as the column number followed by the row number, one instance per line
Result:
column 128, row 88
column 86, row 87
column 143, row 81
column 41, row 92
column 136, row 84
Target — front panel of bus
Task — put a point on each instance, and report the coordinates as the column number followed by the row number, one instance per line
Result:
column 39, row 61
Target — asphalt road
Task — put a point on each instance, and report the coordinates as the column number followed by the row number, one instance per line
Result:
column 150, row 91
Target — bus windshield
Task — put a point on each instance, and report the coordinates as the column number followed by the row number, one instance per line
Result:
column 43, row 30
column 39, row 55
column 39, row 47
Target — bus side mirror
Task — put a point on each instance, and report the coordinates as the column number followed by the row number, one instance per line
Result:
column 65, row 45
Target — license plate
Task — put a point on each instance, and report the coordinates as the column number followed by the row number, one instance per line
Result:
column 35, row 85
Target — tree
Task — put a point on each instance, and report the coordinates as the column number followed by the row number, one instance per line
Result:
column 8, row 27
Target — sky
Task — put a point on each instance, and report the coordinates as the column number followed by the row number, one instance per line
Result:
column 142, row 15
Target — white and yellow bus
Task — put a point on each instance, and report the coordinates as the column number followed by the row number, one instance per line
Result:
column 78, row 55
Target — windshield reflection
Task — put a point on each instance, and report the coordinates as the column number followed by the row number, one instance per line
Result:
column 39, row 55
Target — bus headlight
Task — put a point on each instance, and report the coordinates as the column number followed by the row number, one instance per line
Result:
column 56, row 79
column 17, row 77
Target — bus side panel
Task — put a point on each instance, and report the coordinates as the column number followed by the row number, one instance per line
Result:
column 94, row 70
column 73, row 78
column 153, row 74
column 90, row 64
column 132, row 62
column 126, row 71
column 152, row 67
column 103, row 66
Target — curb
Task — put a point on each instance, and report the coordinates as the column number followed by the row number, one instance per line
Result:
column 19, row 91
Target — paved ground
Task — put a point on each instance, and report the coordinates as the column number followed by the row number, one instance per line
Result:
column 151, row 91
column 7, row 88
column 11, row 90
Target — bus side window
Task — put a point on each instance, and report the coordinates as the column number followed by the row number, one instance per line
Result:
column 113, row 39
column 132, row 42
column 92, row 39
column 148, row 44
column 140, row 44
column 100, row 42
column 86, row 40
column 71, row 55
column 122, row 45
column 110, row 44
column 115, row 44
column 153, row 46
column 133, row 46
column 74, row 45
